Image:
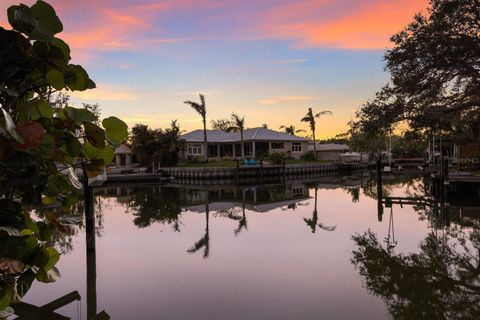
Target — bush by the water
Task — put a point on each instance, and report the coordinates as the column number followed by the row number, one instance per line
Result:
column 309, row 156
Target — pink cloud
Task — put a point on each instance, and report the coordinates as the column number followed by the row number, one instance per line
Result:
column 367, row 27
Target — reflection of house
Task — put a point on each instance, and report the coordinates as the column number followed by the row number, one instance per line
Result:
column 123, row 156
column 260, row 199
column 329, row 151
column 258, row 141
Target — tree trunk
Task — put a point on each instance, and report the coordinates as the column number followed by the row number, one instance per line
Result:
column 242, row 144
column 314, row 145
column 205, row 144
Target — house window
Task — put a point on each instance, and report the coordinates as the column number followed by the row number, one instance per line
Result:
column 297, row 191
column 194, row 149
column 296, row 147
column 277, row 145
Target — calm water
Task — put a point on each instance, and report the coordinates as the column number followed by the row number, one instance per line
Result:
column 272, row 252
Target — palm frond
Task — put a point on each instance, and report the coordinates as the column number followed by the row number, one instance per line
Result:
column 306, row 119
column 239, row 122
column 321, row 113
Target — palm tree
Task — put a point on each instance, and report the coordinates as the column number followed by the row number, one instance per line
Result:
column 238, row 125
column 264, row 126
column 201, row 109
column 291, row 129
column 310, row 119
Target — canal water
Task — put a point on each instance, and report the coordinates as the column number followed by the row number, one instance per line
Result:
column 319, row 249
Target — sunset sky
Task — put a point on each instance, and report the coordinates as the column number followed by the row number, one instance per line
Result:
column 265, row 59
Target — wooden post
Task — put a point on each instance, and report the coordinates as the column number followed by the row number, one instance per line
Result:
column 379, row 188
column 261, row 170
column 90, row 246
column 236, row 171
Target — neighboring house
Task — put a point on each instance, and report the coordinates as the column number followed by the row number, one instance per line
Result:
column 329, row 151
column 257, row 141
column 123, row 156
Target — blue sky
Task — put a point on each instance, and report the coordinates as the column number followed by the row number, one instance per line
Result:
column 268, row 60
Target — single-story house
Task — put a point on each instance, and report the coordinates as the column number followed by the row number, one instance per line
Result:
column 329, row 151
column 257, row 141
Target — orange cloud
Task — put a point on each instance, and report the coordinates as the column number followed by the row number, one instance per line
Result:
column 368, row 27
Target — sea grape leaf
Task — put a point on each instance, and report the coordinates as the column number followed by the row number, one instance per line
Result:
column 44, row 109
column 10, row 126
column 46, row 16
column 53, row 257
column 79, row 115
column 47, row 147
column 55, row 78
column 24, row 282
column 32, row 133
column 115, row 129
column 106, row 154
column 95, row 135
column 76, row 78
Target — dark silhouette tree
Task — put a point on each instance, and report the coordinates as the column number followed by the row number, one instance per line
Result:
column 201, row 109
column 310, row 118
column 291, row 129
column 238, row 125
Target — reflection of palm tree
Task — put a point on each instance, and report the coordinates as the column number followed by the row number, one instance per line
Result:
column 310, row 119
column 242, row 223
column 201, row 109
column 204, row 242
column 312, row 223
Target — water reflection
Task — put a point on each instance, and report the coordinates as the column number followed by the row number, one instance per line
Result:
column 442, row 280
column 269, row 227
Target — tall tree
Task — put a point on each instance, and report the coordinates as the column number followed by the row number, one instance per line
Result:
column 238, row 125
column 201, row 109
column 221, row 124
column 310, row 118
column 435, row 72
column 155, row 145
column 291, row 129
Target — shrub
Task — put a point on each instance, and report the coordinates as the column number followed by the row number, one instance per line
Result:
column 309, row 156
column 276, row 158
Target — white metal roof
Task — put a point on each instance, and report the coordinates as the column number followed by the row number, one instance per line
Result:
column 123, row 149
column 329, row 147
column 254, row 134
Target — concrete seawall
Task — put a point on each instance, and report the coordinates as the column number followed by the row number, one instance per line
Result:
column 199, row 173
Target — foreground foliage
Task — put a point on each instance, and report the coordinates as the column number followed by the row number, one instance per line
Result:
column 41, row 145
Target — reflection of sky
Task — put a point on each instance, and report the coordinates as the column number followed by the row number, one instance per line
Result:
column 266, row 59
column 277, row 269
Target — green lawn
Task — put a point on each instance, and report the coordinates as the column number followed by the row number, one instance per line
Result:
column 210, row 164
column 298, row 161
column 231, row 163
